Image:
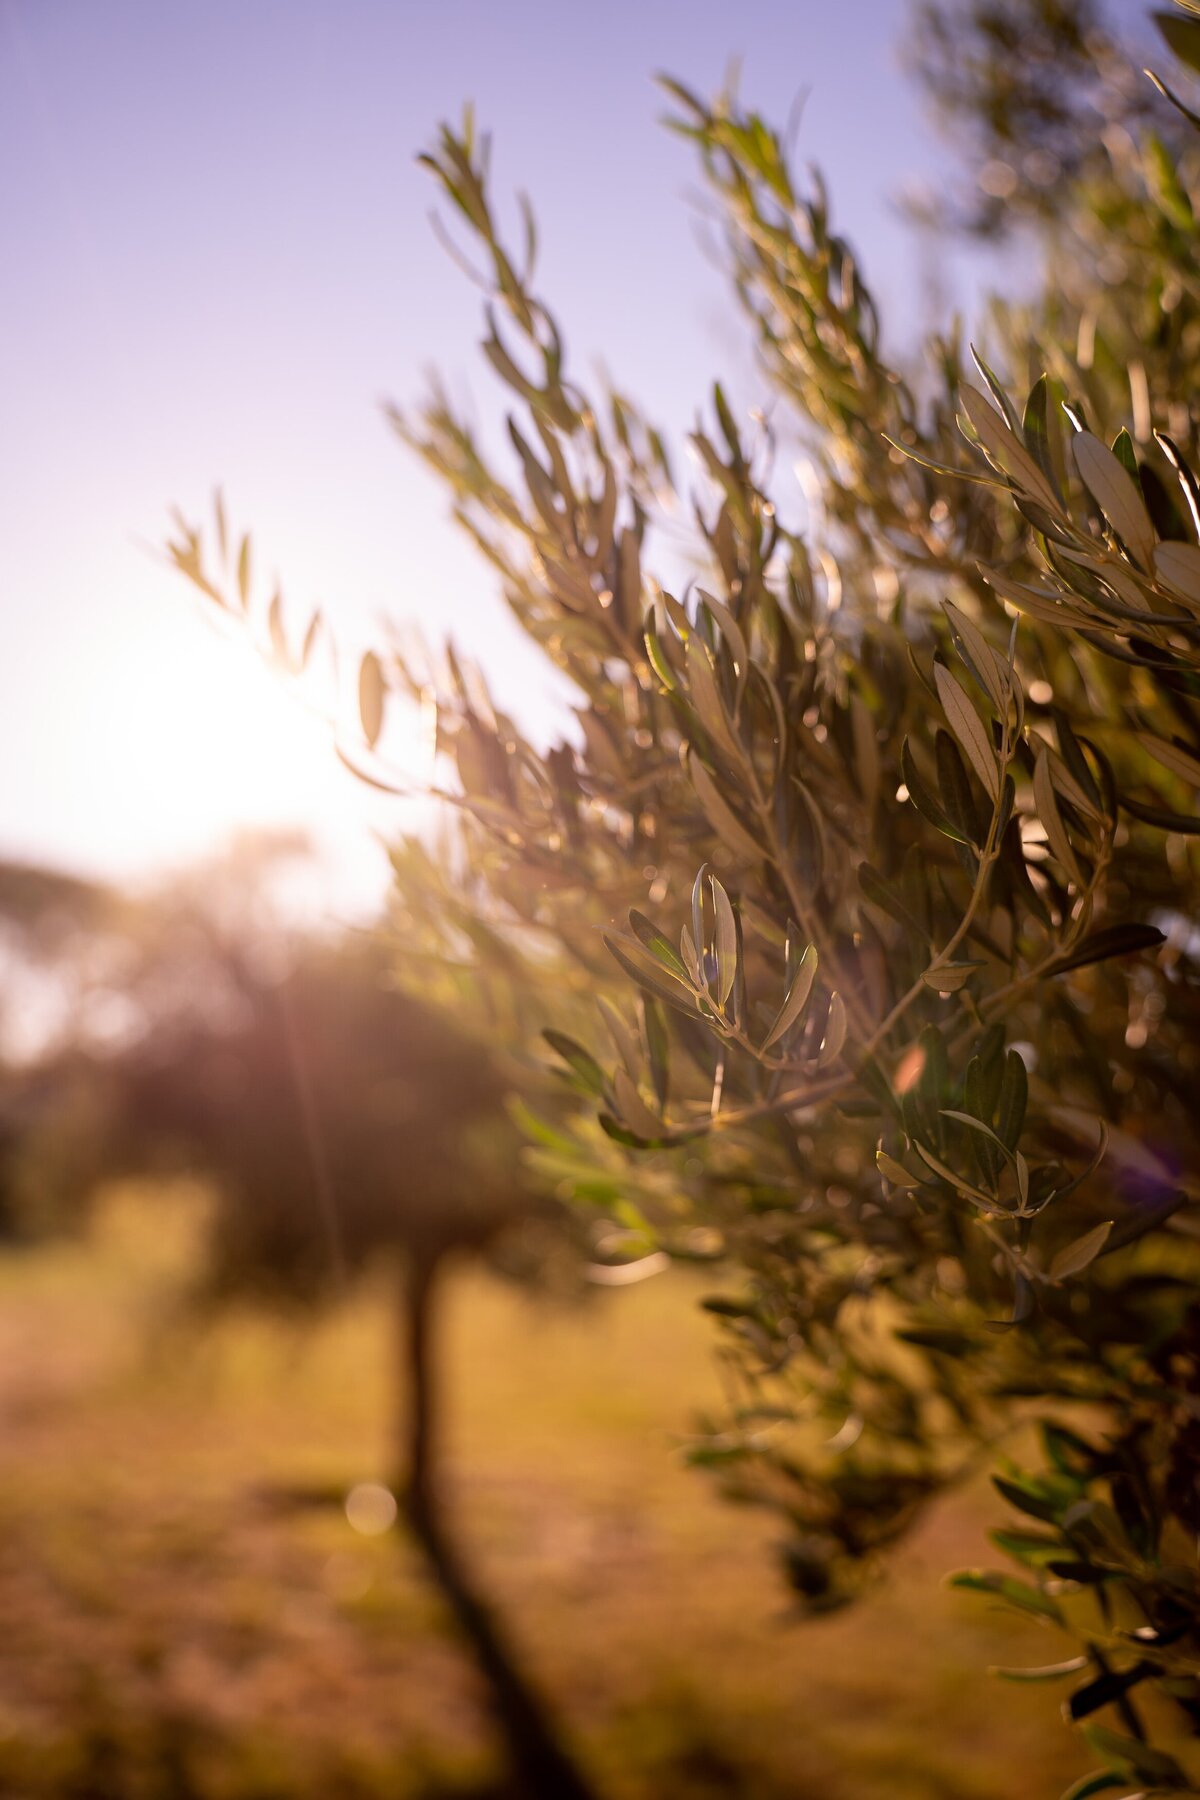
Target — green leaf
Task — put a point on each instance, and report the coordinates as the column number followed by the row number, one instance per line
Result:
column 658, row 1046
column 947, row 978
column 580, row 1061
column 895, row 1172
column 796, row 998
column 1075, row 1257
column 623, row 1039
column 924, row 801
column 1065, row 784
column 633, row 1109
column 721, row 816
column 1006, row 1587
column 1050, row 816
column 1028, row 1547
column 955, row 788
column 1014, row 1093
column 371, row 697
column 979, row 1100
column 725, row 420
column 1100, row 1781
column 1036, row 428
column 1180, row 761
column 690, row 958
column 706, row 702
column 996, row 389
column 1183, row 823
column 726, row 939
column 1188, row 485
column 835, row 1032
column 1169, row 94
column 990, row 669
column 657, row 943
column 658, row 660
column 643, row 968
column 968, row 728
column 978, row 1125
column 243, row 574
column 731, row 631
column 1040, row 603
column 699, row 936
column 621, row 1134
column 1004, row 449
column 276, row 631
column 538, row 1130
column 1143, row 1761
column 1027, row 1498
column 1126, row 455
column 1116, row 496
column 866, row 748
column 1048, row 1672
column 939, row 468
column 1113, row 940
column 1182, row 35
column 937, row 1166
column 1077, row 763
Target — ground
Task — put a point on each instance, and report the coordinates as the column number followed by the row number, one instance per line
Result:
column 169, row 1630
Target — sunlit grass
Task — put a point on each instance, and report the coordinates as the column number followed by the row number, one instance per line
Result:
column 171, row 1631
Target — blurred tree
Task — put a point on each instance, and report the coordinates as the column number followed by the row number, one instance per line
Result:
column 339, row 1120
column 1028, row 89
column 901, row 813
column 59, row 938
column 341, row 1123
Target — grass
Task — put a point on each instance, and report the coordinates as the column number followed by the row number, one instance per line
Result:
column 170, row 1633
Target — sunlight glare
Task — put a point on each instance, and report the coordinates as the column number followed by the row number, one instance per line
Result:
column 194, row 739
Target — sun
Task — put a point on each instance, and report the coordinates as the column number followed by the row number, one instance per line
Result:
column 194, row 740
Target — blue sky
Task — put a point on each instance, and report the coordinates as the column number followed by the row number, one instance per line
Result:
column 217, row 263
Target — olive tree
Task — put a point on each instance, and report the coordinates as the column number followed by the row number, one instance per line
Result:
column 858, row 906
column 343, row 1127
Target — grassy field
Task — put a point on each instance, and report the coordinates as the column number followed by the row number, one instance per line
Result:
column 167, row 1632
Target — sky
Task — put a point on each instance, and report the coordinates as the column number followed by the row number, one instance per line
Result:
column 216, row 264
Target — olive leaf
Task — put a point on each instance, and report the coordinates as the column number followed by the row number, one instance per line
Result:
column 835, row 1032
column 726, row 942
column 649, row 973
column 1074, row 1258
column 1172, row 756
column 721, row 815
column 947, row 978
column 633, row 1109
column 1052, row 819
column 1101, row 946
column 1004, row 449
column 796, row 999
column 371, row 697
column 1114, row 493
column 989, row 669
column 967, row 727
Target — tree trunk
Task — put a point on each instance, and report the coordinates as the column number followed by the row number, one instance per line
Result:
column 538, row 1759
column 420, row 1411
